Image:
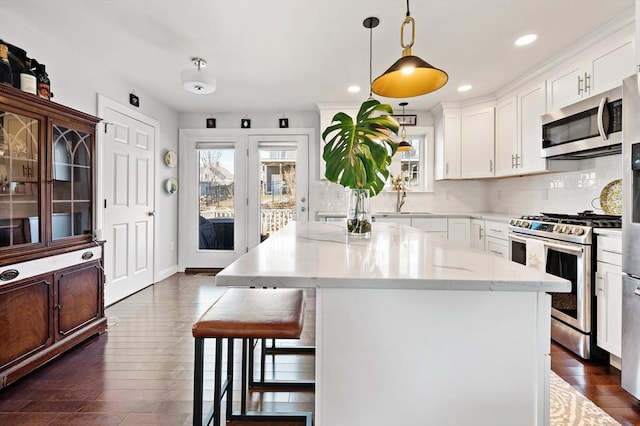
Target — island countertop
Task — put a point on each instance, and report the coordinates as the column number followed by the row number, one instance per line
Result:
column 321, row 255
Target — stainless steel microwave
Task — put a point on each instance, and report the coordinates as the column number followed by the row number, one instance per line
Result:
column 589, row 128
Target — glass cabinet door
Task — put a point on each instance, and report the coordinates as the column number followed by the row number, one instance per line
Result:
column 19, row 180
column 72, row 183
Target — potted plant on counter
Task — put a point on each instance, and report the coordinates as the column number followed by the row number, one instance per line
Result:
column 357, row 155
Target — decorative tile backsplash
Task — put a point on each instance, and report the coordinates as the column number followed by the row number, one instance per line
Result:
column 564, row 192
column 567, row 192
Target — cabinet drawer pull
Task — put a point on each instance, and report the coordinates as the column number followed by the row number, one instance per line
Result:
column 9, row 274
column 87, row 255
column 611, row 251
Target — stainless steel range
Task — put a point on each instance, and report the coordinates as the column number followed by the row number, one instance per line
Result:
column 563, row 245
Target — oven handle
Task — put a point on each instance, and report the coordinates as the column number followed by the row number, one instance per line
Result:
column 571, row 249
column 547, row 244
column 601, row 130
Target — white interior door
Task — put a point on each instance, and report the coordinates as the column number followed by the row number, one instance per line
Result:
column 128, row 182
column 278, row 183
column 213, row 202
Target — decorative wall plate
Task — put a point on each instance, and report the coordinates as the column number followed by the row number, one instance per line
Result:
column 171, row 185
column 171, row 158
column 611, row 198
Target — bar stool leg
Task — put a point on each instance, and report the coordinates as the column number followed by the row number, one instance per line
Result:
column 198, row 377
column 217, row 394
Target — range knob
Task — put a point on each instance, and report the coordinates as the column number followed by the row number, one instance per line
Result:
column 557, row 228
column 526, row 224
column 578, row 231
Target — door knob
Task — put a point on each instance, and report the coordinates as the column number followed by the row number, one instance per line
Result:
column 303, row 199
column 152, row 213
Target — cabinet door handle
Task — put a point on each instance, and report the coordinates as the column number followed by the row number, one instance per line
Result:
column 490, row 165
column 87, row 255
column 587, row 82
column 9, row 274
column 496, row 252
column 513, row 160
column 518, row 161
column 446, row 168
column 580, row 90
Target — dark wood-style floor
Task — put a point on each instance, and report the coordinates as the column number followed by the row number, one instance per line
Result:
column 141, row 371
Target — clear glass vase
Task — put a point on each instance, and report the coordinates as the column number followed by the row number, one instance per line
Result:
column 359, row 213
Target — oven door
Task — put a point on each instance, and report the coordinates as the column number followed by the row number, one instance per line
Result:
column 571, row 262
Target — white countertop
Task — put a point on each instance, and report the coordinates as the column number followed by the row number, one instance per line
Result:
column 319, row 254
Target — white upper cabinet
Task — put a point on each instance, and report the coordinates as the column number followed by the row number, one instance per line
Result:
column 531, row 107
column 447, row 146
column 507, row 143
column 477, row 142
column 599, row 68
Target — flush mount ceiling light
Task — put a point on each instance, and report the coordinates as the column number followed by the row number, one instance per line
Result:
column 409, row 76
column 404, row 146
column 526, row 39
column 465, row 88
column 198, row 80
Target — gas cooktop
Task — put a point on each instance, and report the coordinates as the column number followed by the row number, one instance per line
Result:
column 577, row 228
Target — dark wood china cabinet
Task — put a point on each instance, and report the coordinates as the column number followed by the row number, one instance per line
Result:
column 51, row 266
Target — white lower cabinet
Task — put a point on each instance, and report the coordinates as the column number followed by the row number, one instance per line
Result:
column 393, row 219
column 496, row 239
column 458, row 230
column 434, row 226
column 477, row 234
column 498, row 247
column 609, row 294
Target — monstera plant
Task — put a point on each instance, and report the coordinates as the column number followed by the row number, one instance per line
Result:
column 358, row 154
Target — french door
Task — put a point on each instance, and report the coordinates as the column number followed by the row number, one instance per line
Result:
column 235, row 190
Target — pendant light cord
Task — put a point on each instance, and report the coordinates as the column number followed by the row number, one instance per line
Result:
column 408, row 14
column 371, row 61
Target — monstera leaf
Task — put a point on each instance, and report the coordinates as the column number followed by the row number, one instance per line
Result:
column 358, row 154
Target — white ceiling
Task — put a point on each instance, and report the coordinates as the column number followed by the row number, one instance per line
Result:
column 287, row 55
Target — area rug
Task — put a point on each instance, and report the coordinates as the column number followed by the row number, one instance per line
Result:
column 570, row 408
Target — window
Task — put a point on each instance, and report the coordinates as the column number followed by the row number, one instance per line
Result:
column 415, row 166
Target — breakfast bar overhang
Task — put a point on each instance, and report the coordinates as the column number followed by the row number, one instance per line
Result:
column 410, row 327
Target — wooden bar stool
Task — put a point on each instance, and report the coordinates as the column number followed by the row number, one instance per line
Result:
column 243, row 313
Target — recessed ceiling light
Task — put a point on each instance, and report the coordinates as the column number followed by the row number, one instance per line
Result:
column 353, row 89
column 526, row 39
column 464, row 88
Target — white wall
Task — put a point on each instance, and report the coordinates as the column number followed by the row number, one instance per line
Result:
column 76, row 83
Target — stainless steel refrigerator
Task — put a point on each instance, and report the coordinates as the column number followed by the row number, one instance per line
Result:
column 631, row 235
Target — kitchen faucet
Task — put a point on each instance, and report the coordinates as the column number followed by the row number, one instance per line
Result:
column 398, row 184
column 400, row 200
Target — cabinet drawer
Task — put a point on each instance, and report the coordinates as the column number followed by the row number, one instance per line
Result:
column 609, row 250
column 496, row 230
column 498, row 247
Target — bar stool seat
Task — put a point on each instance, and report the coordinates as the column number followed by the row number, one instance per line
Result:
column 244, row 313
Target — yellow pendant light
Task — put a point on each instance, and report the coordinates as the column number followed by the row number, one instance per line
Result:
column 409, row 76
column 404, row 146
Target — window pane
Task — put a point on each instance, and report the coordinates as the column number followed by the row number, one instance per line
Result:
column 19, row 182
column 217, row 200
column 277, row 188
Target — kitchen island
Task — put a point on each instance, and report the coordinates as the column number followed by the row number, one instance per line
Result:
column 412, row 329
